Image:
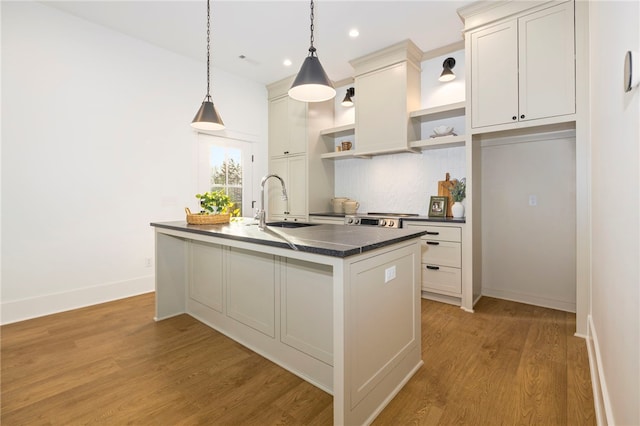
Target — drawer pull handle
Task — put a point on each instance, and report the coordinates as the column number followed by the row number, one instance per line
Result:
column 435, row 268
column 432, row 233
column 433, row 243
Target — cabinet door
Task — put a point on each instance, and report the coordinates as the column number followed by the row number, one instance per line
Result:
column 278, row 126
column 547, row 65
column 205, row 274
column 494, row 75
column 381, row 113
column 277, row 206
column 287, row 127
column 297, row 185
column 297, row 127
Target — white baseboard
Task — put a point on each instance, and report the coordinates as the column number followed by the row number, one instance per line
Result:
column 601, row 399
column 19, row 310
column 530, row 299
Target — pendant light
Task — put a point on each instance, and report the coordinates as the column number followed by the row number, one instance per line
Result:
column 207, row 118
column 312, row 84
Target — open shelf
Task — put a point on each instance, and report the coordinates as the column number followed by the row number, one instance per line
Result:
column 339, row 131
column 342, row 155
column 439, row 142
column 436, row 113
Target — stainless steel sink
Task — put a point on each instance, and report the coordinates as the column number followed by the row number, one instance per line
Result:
column 290, row 224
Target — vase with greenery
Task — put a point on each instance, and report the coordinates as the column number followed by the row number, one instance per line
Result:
column 458, row 193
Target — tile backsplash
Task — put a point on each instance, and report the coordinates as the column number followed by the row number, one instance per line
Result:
column 400, row 183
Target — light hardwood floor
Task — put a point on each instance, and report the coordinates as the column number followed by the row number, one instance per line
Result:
column 508, row 364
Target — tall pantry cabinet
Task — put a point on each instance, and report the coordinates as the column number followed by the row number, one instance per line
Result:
column 295, row 147
column 526, row 130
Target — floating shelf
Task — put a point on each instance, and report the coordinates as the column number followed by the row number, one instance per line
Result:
column 439, row 142
column 339, row 131
column 436, row 113
column 342, row 155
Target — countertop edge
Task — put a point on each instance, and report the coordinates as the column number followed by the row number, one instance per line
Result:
column 306, row 247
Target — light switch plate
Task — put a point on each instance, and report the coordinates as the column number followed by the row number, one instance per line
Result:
column 389, row 274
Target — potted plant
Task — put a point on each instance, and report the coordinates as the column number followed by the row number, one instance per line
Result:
column 215, row 208
column 458, row 193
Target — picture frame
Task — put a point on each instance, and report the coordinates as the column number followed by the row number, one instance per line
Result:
column 438, row 206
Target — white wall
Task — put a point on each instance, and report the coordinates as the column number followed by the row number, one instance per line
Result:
column 615, row 136
column 96, row 144
column 403, row 183
column 529, row 252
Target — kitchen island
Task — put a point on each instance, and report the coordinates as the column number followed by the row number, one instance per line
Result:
column 338, row 306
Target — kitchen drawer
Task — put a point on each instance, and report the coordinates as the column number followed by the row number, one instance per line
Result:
column 442, row 233
column 442, row 279
column 443, row 253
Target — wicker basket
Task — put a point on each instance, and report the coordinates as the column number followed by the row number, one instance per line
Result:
column 206, row 219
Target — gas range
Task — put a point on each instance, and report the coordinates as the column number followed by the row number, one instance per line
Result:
column 385, row 220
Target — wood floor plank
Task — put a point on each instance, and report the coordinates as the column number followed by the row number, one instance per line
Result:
column 507, row 363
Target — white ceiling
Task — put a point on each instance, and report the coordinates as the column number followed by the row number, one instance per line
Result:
column 267, row 32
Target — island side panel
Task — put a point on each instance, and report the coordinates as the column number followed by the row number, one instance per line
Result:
column 265, row 305
column 171, row 276
column 382, row 342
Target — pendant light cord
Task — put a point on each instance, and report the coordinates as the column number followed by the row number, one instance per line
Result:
column 208, row 49
column 312, row 50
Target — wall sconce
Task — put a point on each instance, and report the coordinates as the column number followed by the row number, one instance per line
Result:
column 347, row 101
column 447, row 74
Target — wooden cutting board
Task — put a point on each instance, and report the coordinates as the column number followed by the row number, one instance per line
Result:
column 444, row 190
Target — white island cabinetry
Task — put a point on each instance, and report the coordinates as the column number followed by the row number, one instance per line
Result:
column 343, row 317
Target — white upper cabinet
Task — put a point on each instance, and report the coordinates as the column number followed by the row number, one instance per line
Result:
column 494, row 75
column 547, row 63
column 287, row 127
column 387, row 85
column 295, row 149
column 523, row 69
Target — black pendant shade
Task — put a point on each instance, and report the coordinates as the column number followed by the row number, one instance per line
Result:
column 312, row 84
column 207, row 117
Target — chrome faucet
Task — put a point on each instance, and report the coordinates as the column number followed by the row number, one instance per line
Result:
column 261, row 214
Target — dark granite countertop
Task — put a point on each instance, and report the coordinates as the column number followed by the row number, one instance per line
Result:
column 416, row 218
column 328, row 240
column 329, row 214
column 434, row 219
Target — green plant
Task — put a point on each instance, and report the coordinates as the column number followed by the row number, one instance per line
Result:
column 216, row 202
column 458, row 191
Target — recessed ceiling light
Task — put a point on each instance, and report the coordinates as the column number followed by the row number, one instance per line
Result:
column 287, row 62
column 354, row 33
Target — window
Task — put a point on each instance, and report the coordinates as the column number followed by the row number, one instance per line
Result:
column 225, row 164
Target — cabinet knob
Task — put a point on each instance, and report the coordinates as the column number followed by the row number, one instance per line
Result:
column 522, row 116
column 286, row 152
column 514, row 118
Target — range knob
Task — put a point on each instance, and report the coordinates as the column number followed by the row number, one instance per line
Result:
column 350, row 221
column 382, row 222
column 391, row 224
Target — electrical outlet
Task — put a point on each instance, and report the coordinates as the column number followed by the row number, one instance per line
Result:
column 533, row 200
column 147, row 262
column 389, row 274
